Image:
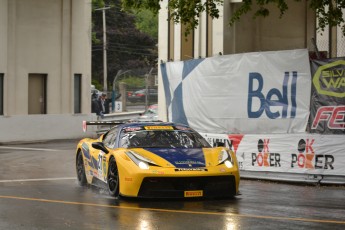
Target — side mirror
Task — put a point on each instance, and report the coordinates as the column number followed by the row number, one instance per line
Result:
column 219, row 144
column 100, row 146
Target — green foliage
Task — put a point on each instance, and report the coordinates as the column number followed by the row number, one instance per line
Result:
column 327, row 13
column 133, row 82
column 146, row 22
column 152, row 5
column 188, row 11
column 333, row 17
column 97, row 4
column 96, row 84
column 185, row 11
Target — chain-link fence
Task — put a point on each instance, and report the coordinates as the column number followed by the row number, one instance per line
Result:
column 128, row 91
column 337, row 43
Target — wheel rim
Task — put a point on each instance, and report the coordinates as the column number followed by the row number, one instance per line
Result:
column 80, row 167
column 113, row 177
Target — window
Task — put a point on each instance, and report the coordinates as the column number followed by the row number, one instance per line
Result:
column 77, row 93
column 1, row 94
column 110, row 138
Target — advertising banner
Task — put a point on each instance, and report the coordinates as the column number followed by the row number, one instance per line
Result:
column 252, row 93
column 327, row 109
column 287, row 153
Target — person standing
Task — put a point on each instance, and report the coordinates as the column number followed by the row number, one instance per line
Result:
column 101, row 106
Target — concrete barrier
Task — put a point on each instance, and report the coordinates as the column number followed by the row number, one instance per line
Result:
column 45, row 127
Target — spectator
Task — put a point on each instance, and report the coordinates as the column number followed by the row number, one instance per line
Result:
column 95, row 105
column 98, row 105
column 94, row 96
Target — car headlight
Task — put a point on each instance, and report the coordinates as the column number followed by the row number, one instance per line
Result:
column 139, row 160
column 225, row 158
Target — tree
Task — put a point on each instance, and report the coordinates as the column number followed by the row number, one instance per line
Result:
column 127, row 47
column 329, row 12
column 147, row 22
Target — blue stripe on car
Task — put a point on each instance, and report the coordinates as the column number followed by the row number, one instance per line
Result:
column 95, row 163
column 85, row 148
column 181, row 158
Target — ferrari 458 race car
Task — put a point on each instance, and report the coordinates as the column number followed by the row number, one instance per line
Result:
column 157, row 160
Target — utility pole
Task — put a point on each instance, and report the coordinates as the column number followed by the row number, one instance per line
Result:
column 105, row 70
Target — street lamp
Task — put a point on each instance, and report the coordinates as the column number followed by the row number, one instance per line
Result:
column 105, row 88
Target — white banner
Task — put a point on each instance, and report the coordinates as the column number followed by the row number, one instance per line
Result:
column 252, row 93
column 288, row 153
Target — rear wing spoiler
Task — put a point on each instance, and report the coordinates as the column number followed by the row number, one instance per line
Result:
column 111, row 123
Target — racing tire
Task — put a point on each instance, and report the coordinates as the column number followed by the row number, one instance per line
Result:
column 81, row 177
column 113, row 179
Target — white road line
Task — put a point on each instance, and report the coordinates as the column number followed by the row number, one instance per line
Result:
column 30, row 149
column 38, row 179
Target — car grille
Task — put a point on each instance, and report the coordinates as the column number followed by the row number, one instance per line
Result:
column 174, row 187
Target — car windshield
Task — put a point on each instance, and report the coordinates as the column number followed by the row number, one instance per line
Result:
column 162, row 139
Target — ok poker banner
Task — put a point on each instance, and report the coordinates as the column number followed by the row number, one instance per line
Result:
column 327, row 107
column 286, row 153
column 251, row 93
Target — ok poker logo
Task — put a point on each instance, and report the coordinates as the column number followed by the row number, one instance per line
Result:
column 306, row 157
column 264, row 158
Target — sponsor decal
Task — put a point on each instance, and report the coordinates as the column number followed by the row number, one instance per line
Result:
column 131, row 129
column 329, row 79
column 264, row 158
column 159, row 127
column 190, row 163
column 333, row 115
column 182, row 128
column 235, row 141
column 128, row 179
column 275, row 98
column 196, row 193
column 306, row 157
column 232, row 142
column 190, row 169
column 157, row 172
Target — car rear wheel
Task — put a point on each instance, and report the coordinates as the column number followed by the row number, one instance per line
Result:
column 113, row 178
column 80, row 170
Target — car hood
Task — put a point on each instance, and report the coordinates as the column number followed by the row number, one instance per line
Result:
column 181, row 158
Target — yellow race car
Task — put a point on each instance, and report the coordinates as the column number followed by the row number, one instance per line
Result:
column 157, row 160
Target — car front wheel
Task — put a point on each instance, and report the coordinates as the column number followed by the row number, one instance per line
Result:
column 113, row 178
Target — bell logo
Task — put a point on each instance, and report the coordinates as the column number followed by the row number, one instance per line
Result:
column 274, row 98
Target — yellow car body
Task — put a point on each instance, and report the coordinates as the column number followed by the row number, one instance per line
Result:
column 157, row 172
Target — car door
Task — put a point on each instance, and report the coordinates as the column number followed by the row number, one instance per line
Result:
column 98, row 164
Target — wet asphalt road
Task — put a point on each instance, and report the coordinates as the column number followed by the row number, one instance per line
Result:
column 38, row 190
